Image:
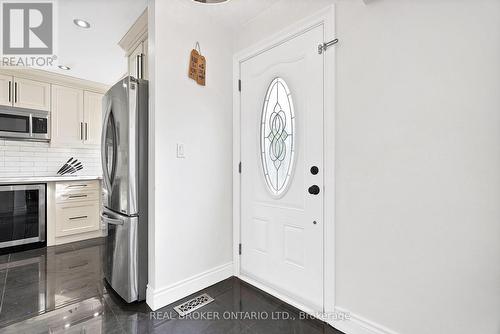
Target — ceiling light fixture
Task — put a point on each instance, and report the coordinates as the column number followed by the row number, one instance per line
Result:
column 62, row 67
column 81, row 23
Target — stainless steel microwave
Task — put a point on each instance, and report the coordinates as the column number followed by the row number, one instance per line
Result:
column 25, row 124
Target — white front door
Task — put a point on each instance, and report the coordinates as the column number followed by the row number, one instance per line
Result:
column 282, row 223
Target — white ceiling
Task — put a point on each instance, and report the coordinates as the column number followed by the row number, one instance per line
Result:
column 235, row 13
column 94, row 54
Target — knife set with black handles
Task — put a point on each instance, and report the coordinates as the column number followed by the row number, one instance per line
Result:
column 70, row 167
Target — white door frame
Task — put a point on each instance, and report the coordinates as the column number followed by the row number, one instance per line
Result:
column 326, row 18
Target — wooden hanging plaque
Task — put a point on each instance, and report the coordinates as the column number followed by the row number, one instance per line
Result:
column 202, row 68
column 193, row 65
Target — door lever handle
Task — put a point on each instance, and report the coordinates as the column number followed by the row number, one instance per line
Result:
column 314, row 190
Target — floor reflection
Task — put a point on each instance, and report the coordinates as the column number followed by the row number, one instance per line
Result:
column 61, row 290
column 37, row 282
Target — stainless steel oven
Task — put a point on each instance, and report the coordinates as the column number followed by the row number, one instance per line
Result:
column 22, row 214
column 26, row 124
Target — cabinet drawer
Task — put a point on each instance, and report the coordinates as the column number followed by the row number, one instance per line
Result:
column 77, row 196
column 76, row 185
column 69, row 192
column 73, row 218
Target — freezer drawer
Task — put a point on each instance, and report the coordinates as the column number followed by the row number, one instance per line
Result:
column 121, row 267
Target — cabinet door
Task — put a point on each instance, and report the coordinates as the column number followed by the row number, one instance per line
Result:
column 5, row 90
column 133, row 61
column 31, row 94
column 67, row 116
column 92, row 116
column 73, row 218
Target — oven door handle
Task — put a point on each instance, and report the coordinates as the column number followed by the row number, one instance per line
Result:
column 111, row 221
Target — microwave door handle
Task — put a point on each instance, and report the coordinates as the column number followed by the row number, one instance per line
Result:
column 31, row 125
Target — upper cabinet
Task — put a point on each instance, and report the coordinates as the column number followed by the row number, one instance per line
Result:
column 76, row 117
column 31, row 94
column 137, row 62
column 135, row 45
column 92, row 117
column 74, row 105
column 67, row 116
column 5, row 90
column 24, row 93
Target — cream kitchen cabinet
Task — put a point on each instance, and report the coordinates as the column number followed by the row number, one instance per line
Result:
column 5, row 90
column 135, row 45
column 137, row 64
column 76, row 117
column 67, row 116
column 31, row 94
column 77, row 208
column 92, row 117
column 24, row 93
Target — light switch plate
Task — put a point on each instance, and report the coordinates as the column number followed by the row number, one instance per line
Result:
column 180, row 151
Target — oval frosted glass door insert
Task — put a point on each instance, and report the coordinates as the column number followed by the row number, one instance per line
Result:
column 277, row 137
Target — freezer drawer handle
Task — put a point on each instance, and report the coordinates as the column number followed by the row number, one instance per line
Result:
column 112, row 221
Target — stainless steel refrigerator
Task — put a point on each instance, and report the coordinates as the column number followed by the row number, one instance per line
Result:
column 125, row 182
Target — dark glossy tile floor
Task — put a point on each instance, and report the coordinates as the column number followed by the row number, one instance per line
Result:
column 61, row 290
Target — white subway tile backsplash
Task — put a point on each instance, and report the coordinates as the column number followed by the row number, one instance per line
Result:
column 19, row 163
column 33, row 149
column 34, row 159
column 24, row 158
column 9, row 153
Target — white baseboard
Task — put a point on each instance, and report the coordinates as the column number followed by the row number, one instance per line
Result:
column 163, row 296
column 358, row 325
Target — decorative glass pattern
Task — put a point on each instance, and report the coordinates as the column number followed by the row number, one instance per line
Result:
column 277, row 137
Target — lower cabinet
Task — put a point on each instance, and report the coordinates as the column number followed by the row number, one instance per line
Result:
column 76, row 207
column 77, row 217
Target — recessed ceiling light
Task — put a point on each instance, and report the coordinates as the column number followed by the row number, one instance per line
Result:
column 62, row 67
column 81, row 23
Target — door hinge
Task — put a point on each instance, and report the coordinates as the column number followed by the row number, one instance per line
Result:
column 239, row 167
column 324, row 46
column 239, row 249
column 239, row 85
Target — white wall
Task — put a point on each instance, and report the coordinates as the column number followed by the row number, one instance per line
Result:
column 25, row 158
column 418, row 160
column 191, row 245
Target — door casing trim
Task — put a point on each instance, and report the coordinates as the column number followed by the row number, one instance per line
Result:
column 325, row 18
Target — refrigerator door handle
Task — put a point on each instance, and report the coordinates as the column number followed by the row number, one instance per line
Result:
column 112, row 221
column 105, row 172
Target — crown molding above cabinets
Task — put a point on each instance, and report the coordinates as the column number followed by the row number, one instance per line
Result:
column 136, row 34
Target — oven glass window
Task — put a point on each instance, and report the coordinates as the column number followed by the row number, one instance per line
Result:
column 14, row 123
column 19, row 210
